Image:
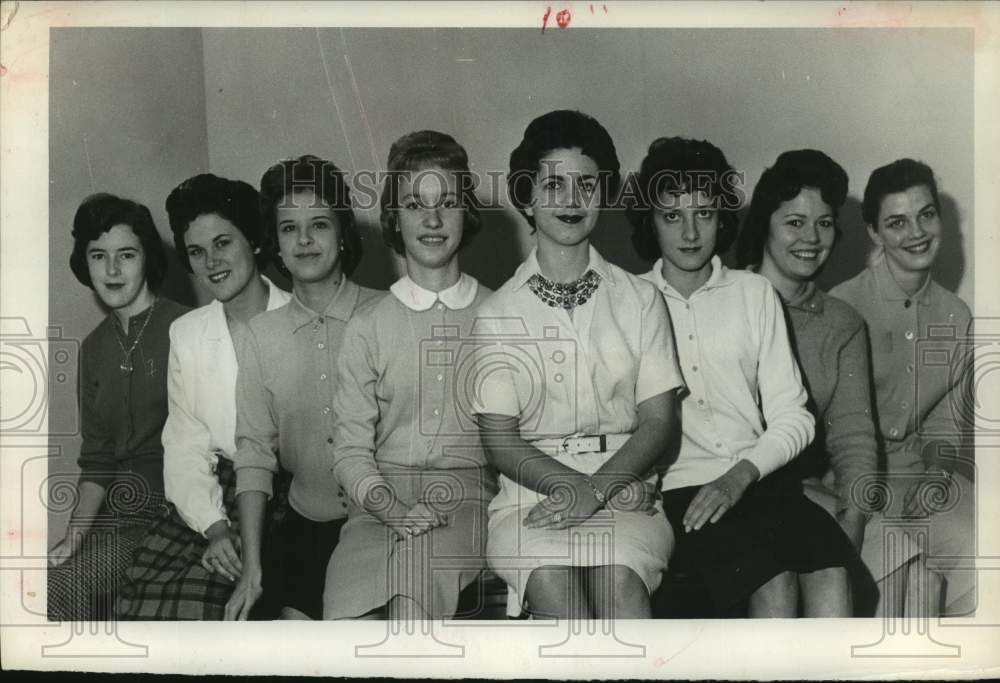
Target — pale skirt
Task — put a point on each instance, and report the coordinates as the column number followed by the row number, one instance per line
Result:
column 370, row 565
column 637, row 540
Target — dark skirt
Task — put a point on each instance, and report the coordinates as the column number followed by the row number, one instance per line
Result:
column 297, row 567
column 167, row 581
column 773, row 529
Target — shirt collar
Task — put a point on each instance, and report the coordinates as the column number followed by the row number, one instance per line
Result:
column 530, row 267
column 890, row 289
column 416, row 298
column 720, row 277
column 340, row 307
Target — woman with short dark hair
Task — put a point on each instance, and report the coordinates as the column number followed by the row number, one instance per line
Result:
column 577, row 400
column 914, row 325
column 187, row 566
column 788, row 235
column 117, row 252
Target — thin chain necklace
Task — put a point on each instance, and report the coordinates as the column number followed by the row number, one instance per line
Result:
column 126, row 366
column 565, row 295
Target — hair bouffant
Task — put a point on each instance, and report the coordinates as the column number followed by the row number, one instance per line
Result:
column 425, row 151
column 791, row 172
column 97, row 215
column 681, row 165
column 898, row 176
column 233, row 200
column 562, row 129
column 328, row 183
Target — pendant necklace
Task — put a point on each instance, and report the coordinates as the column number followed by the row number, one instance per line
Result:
column 126, row 365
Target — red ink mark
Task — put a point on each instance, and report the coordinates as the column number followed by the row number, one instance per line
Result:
column 545, row 18
column 659, row 661
column 591, row 9
column 605, row 8
column 840, row 12
column 3, row 70
column 563, row 17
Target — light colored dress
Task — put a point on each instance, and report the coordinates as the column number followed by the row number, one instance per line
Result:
column 565, row 376
column 399, row 422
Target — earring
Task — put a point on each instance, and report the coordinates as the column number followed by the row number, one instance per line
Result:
column 341, row 245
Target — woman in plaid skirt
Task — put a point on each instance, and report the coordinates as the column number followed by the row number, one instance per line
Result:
column 123, row 365
column 187, row 566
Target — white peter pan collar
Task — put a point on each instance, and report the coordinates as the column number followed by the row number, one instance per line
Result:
column 416, row 298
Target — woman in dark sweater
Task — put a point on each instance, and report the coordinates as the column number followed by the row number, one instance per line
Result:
column 117, row 252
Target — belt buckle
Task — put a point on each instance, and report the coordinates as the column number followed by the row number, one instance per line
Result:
column 585, row 444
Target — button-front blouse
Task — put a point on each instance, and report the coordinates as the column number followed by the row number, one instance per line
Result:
column 746, row 399
column 284, row 401
column 920, row 361
column 565, row 375
column 402, row 365
column 122, row 414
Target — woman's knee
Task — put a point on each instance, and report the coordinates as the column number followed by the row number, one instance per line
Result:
column 551, row 580
column 555, row 590
column 622, row 580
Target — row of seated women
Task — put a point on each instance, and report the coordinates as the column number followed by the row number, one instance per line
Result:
column 340, row 452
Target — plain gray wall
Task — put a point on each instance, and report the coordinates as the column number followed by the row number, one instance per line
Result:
column 135, row 111
column 127, row 116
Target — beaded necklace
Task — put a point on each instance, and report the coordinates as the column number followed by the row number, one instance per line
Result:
column 566, row 295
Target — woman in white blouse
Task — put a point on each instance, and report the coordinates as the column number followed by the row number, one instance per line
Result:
column 415, row 473
column 576, row 400
column 187, row 567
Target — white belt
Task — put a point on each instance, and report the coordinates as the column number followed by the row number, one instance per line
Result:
column 596, row 443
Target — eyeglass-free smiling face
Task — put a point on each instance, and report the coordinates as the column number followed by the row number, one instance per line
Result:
column 430, row 217
column 801, row 234
column 220, row 256
column 309, row 237
column 909, row 229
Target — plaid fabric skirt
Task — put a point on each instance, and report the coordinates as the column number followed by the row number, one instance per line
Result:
column 166, row 580
column 84, row 588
